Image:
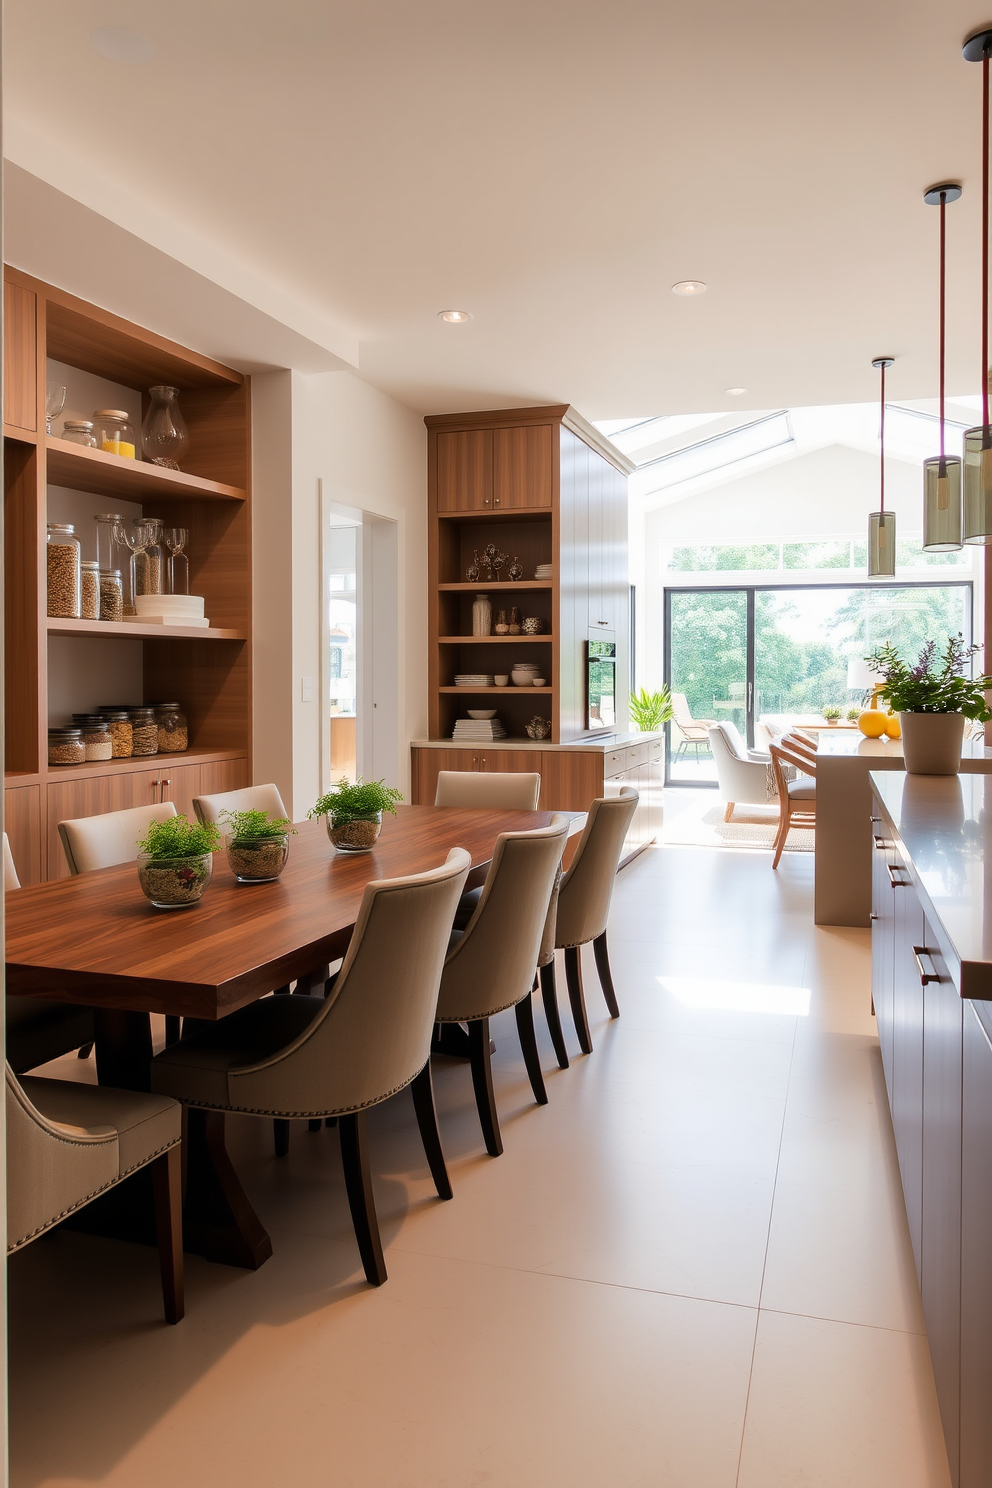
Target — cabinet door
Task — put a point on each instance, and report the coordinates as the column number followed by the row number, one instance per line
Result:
column 68, row 800
column 882, row 945
column 465, row 470
column 570, row 779
column 907, row 1053
column 941, row 1281
column 976, row 1250
column 20, row 354
column 22, row 823
column 429, row 762
column 222, row 775
column 523, row 467
column 179, row 784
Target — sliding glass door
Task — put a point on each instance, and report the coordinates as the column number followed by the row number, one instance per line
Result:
column 771, row 657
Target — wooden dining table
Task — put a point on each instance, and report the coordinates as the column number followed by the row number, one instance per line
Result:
column 94, row 939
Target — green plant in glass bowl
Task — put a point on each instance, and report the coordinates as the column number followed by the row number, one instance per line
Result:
column 175, row 861
column 649, row 711
column 257, row 844
column 831, row 713
column 353, row 812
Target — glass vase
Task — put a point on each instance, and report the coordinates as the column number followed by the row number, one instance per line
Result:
column 258, row 859
column 174, row 883
column 354, row 834
column 164, row 436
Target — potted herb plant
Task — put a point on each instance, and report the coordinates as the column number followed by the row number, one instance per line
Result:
column 353, row 812
column 852, row 715
column 176, row 860
column 932, row 699
column 650, row 711
column 832, row 714
column 257, row 844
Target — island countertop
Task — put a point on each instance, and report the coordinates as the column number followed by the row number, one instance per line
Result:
column 942, row 829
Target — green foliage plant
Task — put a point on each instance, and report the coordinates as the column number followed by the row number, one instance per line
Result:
column 248, row 826
column 852, row 715
column 935, row 684
column 365, row 798
column 831, row 713
column 176, row 837
column 649, row 710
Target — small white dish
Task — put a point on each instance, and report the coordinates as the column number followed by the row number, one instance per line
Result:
column 539, row 682
column 481, row 712
column 501, row 679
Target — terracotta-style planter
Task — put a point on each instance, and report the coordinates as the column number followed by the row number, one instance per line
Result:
column 931, row 742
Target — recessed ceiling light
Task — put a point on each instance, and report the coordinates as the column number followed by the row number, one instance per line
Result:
column 122, row 44
column 735, row 392
column 454, row 317
column 689, row 287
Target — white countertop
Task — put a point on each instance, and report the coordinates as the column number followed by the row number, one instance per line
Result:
column 849, row 745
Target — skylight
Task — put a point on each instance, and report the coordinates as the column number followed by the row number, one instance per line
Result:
column 719, row 450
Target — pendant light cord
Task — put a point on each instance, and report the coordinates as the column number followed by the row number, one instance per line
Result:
column 881, row 440
column 985, row 240
column 943, row 204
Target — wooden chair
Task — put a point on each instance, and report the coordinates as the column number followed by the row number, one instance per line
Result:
column 67, row 1143
column 796, row 798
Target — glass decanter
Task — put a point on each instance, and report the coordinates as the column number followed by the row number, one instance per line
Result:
column 177, row 569
column 164, row 436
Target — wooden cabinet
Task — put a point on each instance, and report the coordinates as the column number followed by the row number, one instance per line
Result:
column 222, row 775
column 523, row 467
column 464, row 470
column 22, row 823
column 907, row 1052
column 976, row 1248
column 883, row 945
column 20, row 356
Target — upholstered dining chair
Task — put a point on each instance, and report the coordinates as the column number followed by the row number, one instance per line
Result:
column 796, row 798
column 68, row 1143
column 584, row 897
column 742, row 773
column 250, row 798
column 38, row 1029
column 492, row 961
column 498, row 790
column 299, row 1058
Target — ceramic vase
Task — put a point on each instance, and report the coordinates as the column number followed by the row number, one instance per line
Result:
column 931, row 742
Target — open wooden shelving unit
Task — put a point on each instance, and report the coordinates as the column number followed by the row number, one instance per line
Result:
column 208, row 670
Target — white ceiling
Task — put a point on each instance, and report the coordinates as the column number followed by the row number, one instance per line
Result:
column 551, row 167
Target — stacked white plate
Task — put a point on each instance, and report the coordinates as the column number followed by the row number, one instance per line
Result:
column 544, row 571
column 169, row 609
column 478, row 731
column 474, row 679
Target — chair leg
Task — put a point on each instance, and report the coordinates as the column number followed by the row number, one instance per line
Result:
column 316, row 1124
column 482, row 1079
column 358, row 1181
column 573, row 979
column 85, row 1050
column 549, row 995
column 280, row 1131
column 524, row 1013
column 422, row 1090
column 783, row 832
column 605, row 974
column 728, row 813
column 167, row 1178
column 173, row 1030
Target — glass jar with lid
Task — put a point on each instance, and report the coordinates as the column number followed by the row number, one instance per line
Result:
column 111, row 594
column 121, row 734
column 96, row 739
column 65, row 746
column 79, row 431
column 89, row 589
column 114, row 432
column 144, row 731
column 63, row 563
column 173, row 733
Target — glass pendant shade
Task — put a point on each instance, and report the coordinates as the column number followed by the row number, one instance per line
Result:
column 881, row 544
column 978, row 485
column 941, row 504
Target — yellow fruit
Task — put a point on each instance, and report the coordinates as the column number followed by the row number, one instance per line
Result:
column 892, row 725
column 873, row 722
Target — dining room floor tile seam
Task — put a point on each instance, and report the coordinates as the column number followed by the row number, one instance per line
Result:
column 822, row 1317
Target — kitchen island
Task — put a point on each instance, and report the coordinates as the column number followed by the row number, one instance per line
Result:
column 932, row 992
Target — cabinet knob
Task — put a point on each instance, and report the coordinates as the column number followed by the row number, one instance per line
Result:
column 166, row 782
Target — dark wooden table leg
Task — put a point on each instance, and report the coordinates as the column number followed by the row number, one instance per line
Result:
column 123, row 1048
column 218, row 1219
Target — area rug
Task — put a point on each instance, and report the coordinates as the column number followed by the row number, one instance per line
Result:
column 751, row 827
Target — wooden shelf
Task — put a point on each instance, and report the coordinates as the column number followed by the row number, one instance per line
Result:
column 133, row 631
column 103, row 474
column 497, row 691
column 493, row 640
column 20, row 436
column 502, row 584
column 139, row 762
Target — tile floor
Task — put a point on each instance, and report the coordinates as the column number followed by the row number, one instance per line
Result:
column 690, row 1269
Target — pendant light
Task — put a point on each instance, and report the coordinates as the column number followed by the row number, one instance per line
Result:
column 941, row 473
column 882, row 524
column 978, row 442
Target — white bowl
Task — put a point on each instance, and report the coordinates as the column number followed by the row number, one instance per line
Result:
column 501, row 679
column 522, row 679
column 539, row 682
column 481, row 712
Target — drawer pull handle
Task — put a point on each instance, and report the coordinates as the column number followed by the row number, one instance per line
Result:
column 880, row 842
column 925, row 976
column 897, row 883
column 874, row 916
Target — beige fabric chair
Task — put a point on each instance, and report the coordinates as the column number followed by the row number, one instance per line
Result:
column 304, row 1057
column 37, row 1029
column 504, row 791
column 492, row 963
column 796, row 798
column 743, row 774
column 67, row 1143
column 104, row 841
column 584, row 908
column 251, row 798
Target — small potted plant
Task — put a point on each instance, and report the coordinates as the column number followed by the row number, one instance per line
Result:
column 852, row 715
column 932, row 700
column 650, row 711
column 176, row 860
column 257, row 844
column 832, row 714
column 353, row 812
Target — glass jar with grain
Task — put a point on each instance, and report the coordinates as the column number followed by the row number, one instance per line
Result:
column 89, row 589
column 173, row 733
column 121, row 734
column 96, row 740
column 144, row 731
column 111, row 594
column 79, row 431
column 64, row 571
column 65, row 746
